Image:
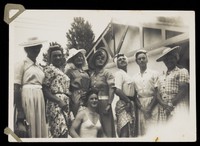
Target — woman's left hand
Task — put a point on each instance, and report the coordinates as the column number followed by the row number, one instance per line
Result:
column 107, row 109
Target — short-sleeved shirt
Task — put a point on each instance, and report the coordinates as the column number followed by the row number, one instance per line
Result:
column 145, row 83
column 28, row 72
column 169, row 82
column 121, row 77
column 79, row 79
column 102, row 81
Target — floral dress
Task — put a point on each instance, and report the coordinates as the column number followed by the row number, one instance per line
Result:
column 58, row 83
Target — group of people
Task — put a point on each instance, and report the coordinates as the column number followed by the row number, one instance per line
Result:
column 73, row 97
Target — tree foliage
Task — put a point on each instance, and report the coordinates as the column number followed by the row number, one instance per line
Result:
column 80, row 36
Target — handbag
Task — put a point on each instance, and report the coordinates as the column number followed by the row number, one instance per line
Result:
column 21, row 127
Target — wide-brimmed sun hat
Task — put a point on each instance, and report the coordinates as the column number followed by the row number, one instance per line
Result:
column 168, row 50
column 99, row 51
column 32, row 41
column 73, row 52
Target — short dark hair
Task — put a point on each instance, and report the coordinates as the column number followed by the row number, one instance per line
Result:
column 139, row 54
column 89, row 93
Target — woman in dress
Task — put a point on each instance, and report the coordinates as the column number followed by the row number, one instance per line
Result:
column 56, row 91
column 28, row 95
column 103, row 81
column 79, row 78
column 87, row 122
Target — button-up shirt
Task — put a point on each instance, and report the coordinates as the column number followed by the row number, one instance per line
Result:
column 145, row 83
column 169, row 82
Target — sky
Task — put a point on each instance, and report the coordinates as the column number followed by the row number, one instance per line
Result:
column 52, row 25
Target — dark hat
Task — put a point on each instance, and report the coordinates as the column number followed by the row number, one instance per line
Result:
column 99, row 51
column 168, row 50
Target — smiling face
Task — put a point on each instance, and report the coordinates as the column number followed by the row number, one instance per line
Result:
column 121, row 62
column 93, row 100
column 78, row 59
column 56, row 58
column 100, row 60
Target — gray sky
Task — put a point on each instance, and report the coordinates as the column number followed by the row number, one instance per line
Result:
column 52, row 25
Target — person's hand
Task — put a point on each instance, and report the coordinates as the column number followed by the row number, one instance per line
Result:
column 128, row 107
column 147, row 114
column 107, row 108
column 169, row 109
column 21, row 130
column 63, row 106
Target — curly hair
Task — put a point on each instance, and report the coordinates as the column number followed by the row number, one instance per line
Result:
column 89, row 93
column 53, row 47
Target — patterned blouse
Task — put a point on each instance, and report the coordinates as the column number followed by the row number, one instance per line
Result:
column 169, row 82
column 56, row 80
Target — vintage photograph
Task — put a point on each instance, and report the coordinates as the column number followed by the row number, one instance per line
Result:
column 102, row 75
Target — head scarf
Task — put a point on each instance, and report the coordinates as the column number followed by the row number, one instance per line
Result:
column 119, row 55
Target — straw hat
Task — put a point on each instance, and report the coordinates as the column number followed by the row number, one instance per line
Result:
column 33, row 41
column 168, row 50
column 73, row 52
column 92, row 58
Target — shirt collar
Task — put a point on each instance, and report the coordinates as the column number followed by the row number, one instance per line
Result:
column 31, row 62
column 175, row 69
column 139, row 73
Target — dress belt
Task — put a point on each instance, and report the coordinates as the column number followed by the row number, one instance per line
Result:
column 31, row 86
column 103, row 97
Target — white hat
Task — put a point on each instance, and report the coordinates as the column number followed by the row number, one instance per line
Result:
column 33, row 41
column 167, row 50
column 73, row 52
column 140, row 51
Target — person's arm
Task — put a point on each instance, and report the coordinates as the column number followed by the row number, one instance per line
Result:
column 122, row 96
column 160, row 101
column 76, row 125
column 18, row 101
column 183, row 91
column 153, row 102
column 48, row 95
column 111, row 97
column 110, row 82
column 101, row 133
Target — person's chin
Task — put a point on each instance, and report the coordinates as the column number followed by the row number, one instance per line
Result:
column 94, row 105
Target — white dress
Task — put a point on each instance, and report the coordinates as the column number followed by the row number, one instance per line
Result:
column 30, row 76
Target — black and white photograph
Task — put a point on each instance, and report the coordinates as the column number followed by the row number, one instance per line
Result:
column 102, row 76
